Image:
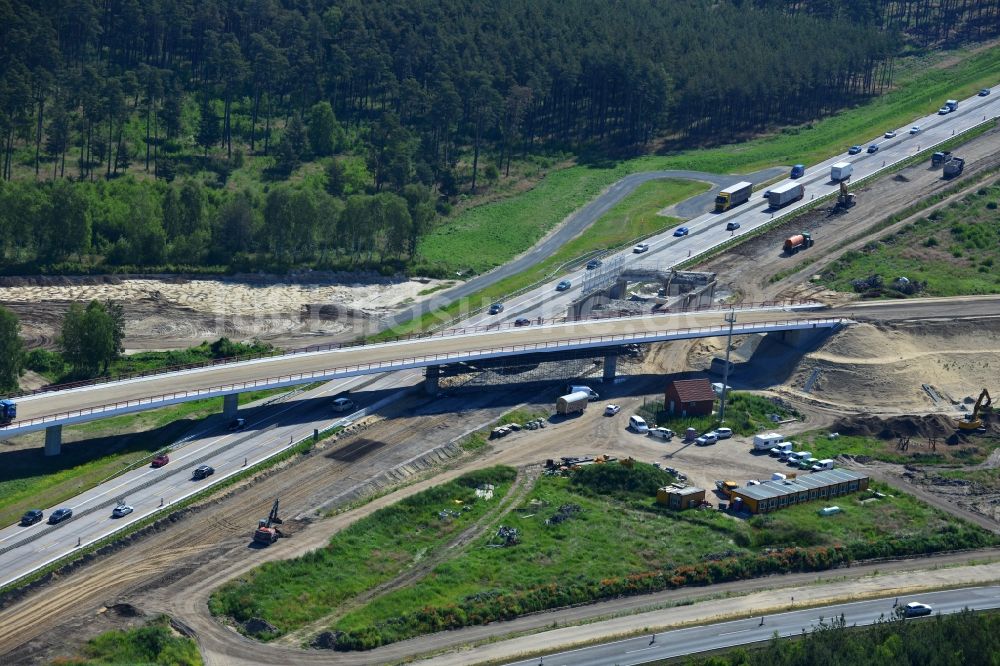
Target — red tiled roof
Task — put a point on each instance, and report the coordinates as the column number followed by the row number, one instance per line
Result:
column 694, row 390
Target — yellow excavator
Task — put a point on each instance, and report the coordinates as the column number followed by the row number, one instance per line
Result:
column 972, row 421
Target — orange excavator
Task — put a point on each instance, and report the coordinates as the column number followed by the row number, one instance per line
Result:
column 972, row 422
column 266, row 532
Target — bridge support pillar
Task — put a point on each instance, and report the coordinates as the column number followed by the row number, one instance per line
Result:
column 230, row 405
column 617, row 291
column 610, row 368
column 53, row 440
column 431, row 377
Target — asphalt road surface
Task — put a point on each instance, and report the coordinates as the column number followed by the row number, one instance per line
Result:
column 679, row 642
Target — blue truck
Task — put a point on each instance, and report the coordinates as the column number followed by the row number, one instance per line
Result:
column 8, row 411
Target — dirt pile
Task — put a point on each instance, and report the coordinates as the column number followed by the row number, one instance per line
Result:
column 925, row 427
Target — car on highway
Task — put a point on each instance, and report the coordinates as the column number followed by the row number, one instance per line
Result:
column 732, row 226
column 563, row 285
column 854, row 150
column 916, row 609
column 706, row 439
column 798, row 171
column 890, row 135
column 60, row 515
column 31, row 517
column 984, row 92
column 944, row 111
column 522, row 321
column 681, row 231
column 237, row 425
column 612, row 409
column 496, row 308
column 121, row 511
column 639, row 248
column 202, row 472
column 343, row 404
column 915, row 129
column 594, row 263
column 160, row 460
column 660, row 433
column 723, row 433
column 873, row 148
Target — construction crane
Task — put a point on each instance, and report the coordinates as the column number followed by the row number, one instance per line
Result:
column 972, row 421
column 266, row 532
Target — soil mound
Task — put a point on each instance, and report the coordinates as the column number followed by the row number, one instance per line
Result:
column 932, row 425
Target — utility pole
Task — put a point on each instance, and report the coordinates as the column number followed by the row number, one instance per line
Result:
column 731, row 318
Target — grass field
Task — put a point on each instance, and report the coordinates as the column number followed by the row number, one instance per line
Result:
column 880, row 449
column 93, row 452
column 746, row 414
column 155, row 643
column 289, row 594
column 489, row 235
column 955, row 251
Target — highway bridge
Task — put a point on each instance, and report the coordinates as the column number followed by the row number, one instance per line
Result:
column 51, row 410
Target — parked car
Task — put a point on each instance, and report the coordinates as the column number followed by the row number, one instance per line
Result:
column 638, row 424
column 806, row 463
column 984, row 92
column 563, row 285
column 121, row 511
column 161, row 460
column 594, row 263
column 237, row 424
column 723, row 433
column 732, row 226
column 343, row 404
column 639, row 248
column 681, row 231
column 202, row 472
column 890, row 135
column 916, row 609
column 873, row 148
column 31, row 517
column 612, row 409
column 706, row 439
column 496, row 308
column 854, row 150
column 661, row 433
column 60, row 515
column 521, row 321
column 915, row 129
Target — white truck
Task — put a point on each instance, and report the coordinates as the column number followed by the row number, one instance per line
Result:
column 841, row 171
column 572, row 403
column 766, row 441
column 591, row 393
column 785, row 194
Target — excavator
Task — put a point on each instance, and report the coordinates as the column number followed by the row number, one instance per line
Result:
column 845, row 199
column 972, row 422
column 266, row 532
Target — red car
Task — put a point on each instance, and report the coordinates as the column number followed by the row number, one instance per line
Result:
column 161, row 460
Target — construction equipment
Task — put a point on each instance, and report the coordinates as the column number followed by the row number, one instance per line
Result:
column 266, row 532
column 972, row 421
column 798, row 242
column 8, row 411
column 939, row 158
column 845, row 199
column 953, row 167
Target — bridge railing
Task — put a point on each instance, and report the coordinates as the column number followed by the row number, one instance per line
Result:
column 406, row 362
column 465, row 330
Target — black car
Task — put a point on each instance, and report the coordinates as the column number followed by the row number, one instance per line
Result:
column 237, row 424
column 732, row 226
column 203, row 471
column 496, row 308
column 31, row 517
column 594, row 263
column 60, row 515
column 521, row 321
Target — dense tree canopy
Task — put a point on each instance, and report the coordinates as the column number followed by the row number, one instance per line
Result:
column 12, row 355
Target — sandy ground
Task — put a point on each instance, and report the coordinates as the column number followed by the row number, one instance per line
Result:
column 177, row 312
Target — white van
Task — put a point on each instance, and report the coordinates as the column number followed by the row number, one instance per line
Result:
column 638, row 424
column 780, row 449
column 592, row 395
column 343, row 404
column 823, row 465
column 767, row 441
column 724, row 433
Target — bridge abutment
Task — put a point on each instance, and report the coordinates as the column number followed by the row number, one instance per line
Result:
column 230, row 405
column 53, row 440
column 431, row 379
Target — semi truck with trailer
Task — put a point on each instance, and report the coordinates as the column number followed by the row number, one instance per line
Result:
column 785, row 194
column 841, row 171
column 733, row 196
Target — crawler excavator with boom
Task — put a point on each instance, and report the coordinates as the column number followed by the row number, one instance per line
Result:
column 266, row 532
column 972, row 422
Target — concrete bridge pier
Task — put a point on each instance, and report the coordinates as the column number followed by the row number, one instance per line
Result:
column 610, row 368
column 431, row 379
column 230, row 405
column 53, row 440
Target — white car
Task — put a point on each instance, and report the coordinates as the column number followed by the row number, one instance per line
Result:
column 640, row 248
column 638, row 424
column 121, row 511
column 661, row 433
column 916, row 609
column 890, row 135
column 611, row 410
column 706, row 439
column 723, row 433
column 343, row 404
column 915, row 129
